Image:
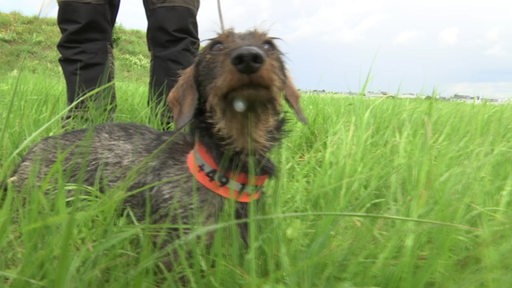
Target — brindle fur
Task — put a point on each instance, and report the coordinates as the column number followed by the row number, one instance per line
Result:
column 153, row 163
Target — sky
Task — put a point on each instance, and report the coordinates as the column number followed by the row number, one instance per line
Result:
column 449, row 46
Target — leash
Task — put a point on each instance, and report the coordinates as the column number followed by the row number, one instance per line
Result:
column 221, row 19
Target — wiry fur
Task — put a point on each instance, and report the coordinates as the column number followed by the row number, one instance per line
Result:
column 152, row 164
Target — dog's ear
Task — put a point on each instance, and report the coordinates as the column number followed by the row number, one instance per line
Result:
column 183, row 98
column 293, row 97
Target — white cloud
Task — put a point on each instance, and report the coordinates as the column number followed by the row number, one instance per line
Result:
column 496, row 50
column 405, row 38
column 336, row 21
column 495, row 42
column 494, row 34
column 449, row 36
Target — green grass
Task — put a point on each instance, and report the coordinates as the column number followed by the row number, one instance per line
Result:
column 32, row 41
column 372, row 193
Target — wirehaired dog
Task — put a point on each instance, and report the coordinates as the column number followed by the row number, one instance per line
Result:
column 230, row 100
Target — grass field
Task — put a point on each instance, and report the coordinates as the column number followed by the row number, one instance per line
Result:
column 372, row 193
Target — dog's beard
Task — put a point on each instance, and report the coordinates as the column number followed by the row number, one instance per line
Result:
column 251, row 130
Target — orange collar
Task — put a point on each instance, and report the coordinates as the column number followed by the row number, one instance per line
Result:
column 240, row 187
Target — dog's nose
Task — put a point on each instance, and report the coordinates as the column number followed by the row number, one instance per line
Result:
column 247, row 60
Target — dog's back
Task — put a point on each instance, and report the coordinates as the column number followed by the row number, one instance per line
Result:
column 128, row 156
column 111, row 146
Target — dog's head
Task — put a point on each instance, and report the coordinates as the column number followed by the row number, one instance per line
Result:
column 237, row 81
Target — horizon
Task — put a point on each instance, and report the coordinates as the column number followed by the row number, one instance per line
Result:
column 455, row 47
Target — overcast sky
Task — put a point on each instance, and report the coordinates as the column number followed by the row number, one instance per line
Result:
column 408, row 46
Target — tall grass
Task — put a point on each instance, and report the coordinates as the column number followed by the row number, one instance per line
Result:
column 372, row 193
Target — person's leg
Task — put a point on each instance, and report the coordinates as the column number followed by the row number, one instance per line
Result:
column 86, row 58
column 173, row 42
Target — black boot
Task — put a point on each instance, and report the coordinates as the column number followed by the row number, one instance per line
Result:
column 86, row 58
column 173, row 42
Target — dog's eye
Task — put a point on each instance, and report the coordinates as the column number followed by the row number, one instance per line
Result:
column 269, row 46
column 217, row 47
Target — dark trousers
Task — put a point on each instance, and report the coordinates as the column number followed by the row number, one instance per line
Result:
column 86, row 48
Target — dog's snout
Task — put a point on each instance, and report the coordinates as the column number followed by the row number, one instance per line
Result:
column 247, row 60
